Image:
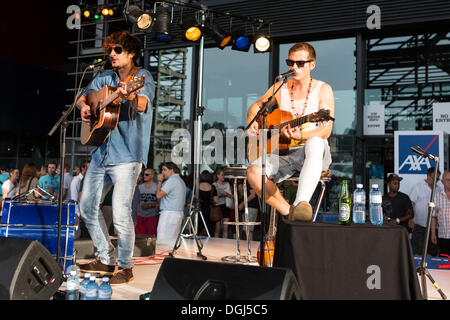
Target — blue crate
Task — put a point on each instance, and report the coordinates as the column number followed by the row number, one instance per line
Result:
column 40, row 222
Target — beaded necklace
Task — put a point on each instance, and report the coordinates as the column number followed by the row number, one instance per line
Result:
column 296, row 115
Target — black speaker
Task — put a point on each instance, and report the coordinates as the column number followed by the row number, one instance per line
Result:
column 27, row 270
column 182, row 279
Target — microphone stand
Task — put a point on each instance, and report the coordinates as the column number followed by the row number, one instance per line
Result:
column 64, row 123
column 263, row 112
column 422, row 269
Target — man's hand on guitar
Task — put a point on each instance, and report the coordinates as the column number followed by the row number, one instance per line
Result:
column 254, row 129
column 123, row 93
column 292, row 133
column 85, row 113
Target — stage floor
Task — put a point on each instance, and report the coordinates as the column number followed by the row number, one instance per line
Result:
column 146, row 268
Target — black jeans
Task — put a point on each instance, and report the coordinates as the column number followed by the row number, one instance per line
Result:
column 418, row 237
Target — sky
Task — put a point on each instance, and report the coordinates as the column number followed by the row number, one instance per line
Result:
column 34, row 60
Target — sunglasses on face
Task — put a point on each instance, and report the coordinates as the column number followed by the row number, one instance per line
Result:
column 146, row 174
column 117, row 49
column 299, row 63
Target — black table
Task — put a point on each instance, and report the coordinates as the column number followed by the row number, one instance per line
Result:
column 360, row 261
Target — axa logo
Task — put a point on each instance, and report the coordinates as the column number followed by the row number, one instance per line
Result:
column 411, row 163
column 415, row 163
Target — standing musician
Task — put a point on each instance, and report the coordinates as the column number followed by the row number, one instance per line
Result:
column 119, row 159
column 310, row 155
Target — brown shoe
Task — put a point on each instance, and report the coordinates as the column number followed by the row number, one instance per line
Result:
column 300, row 212
column 97, row 266
column 123, row 276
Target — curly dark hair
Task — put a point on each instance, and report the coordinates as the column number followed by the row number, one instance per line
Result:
column 129, row 43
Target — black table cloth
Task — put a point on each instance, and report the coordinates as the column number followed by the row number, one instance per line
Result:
column 360, row 261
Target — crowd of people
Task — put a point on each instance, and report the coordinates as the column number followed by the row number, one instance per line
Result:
column 162, row 201
column 159, row 204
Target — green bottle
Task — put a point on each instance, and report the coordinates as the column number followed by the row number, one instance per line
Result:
column 345, row 205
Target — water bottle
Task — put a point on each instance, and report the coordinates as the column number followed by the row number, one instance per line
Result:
column 359, row 204
column 376, row 210
column 83, row 286
column 72, row 286
column 105, row 290
column 92, row 289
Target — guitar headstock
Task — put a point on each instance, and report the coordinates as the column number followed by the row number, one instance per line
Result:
column 135, row 83
column 321, row 115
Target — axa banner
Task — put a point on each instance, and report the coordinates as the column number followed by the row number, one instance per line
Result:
column 411, row 166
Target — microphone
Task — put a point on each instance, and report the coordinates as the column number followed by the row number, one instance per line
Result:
column 100, row 62
column 287, row 74
column 421, row 152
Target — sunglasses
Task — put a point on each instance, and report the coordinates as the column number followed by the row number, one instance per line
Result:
column 299, row 63
column 146, row 174
column 117, row 49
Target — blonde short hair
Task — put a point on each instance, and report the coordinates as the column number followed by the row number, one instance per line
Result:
column 304, row 46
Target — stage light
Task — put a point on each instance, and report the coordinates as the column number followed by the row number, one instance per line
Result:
column 241, row 42
column 262, row 43
column 86, row 13
column 221, row 37
column 192, row 29
column 105, row 11
column 110, row 12
column 96, row 16
column 162, row 24
column 142, row 19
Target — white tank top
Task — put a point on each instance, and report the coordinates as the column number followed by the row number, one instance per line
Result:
column 311, row 106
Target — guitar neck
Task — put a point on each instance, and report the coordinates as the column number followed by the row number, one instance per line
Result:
column 293, row 123
column 108, row 100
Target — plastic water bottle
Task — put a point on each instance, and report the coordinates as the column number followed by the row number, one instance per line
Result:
column 83, row 286
column 92, row 289
column 105, row 290
column 359, row 204
column 72, row 286
column 376, row 210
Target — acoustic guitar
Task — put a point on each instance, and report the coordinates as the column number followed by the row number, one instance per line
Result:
column 276, row 120
column 105, row 111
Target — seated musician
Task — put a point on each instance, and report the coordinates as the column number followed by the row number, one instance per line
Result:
column 309, row 152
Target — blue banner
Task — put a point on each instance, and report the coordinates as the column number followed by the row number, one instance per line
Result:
column 411, row 163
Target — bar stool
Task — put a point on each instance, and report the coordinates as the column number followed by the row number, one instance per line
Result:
column 236, row 173
column 325, row 176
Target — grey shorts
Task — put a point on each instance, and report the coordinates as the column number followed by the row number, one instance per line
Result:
column 280, row 168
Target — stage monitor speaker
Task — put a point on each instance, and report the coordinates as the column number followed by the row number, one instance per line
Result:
column 182, row 279
column 28, row 270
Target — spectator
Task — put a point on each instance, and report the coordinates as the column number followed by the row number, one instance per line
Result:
column 4, row 175
column 172, row 196
column 441, row 217
column 224, row 201
column 147, row 215
column 420, row 197
column 10, row 185
column 206, row 194
column 43, row 171
column 67, row 181
column 253, row 209
column 396, row 205
column 50, row 181
column 75, row 193
column 28, row 181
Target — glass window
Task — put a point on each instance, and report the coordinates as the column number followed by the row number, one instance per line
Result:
column 232, row 81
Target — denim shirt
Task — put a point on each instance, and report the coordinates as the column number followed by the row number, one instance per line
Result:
column 130, row 140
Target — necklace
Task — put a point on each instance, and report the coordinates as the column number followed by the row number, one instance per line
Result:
column 298, row 114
